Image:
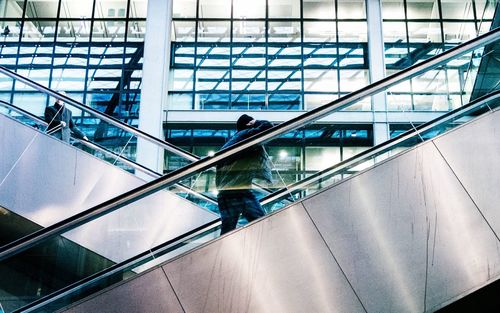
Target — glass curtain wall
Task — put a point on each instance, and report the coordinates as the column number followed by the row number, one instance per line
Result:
column 294, row 156
column 266, row 54
column 92, row 49
column 415, row 30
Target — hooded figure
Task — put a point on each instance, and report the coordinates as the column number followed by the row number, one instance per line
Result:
column 234, row 177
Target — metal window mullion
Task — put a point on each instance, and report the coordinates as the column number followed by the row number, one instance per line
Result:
column 409, row 57
column 337, row 41
column 196, row 27
column 302, row 91
column 230, row 69
column 474, row 12
column 54, row 47
column 91, row 30
column 21, row 30
column 266, row 65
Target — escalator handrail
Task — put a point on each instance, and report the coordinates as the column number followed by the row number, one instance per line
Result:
column 261, row 138
column 386, row 145
column 108, row 119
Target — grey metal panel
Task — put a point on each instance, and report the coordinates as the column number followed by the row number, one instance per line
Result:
column 473, row 152
column 150, row 292
column 10, row 153
column 406, row 234
column 54, row 180
column 279, row 264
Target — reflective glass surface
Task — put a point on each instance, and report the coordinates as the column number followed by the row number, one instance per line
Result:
column 259, row 56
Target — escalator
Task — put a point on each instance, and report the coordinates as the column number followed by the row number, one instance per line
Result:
column 400, row 227
column 64, row 180
column 412, row 234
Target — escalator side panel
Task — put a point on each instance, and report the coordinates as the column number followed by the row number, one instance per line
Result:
column 406, row 233
column 54, row 180
column 473, row 154
column 150, row 292
column 262, row 268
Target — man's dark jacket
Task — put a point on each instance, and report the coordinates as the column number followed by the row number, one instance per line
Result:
column 239, row 172
column 54, row 115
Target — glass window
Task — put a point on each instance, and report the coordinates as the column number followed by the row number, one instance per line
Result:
column 458, row 9
column 320, row 158
column 181, row 80
column 177, row 101
column 459, row 32
column 31, row 102
column 324, row 9
column 285, row 31
column 212, row 101
column 485, row 9
column 316, row 55
column 11, row 8
column 111, row 8
column 248, row 101
column 353, row 32
column 248, row 31
column 349, row 9
column 184, row 9
column 183, row 31
column 423, row 9
column 284, row 80
column 396, row 48
column 73, row 31
column 284, row 100
column 139, row 8
column 348, row 152
column 211, row 79
column 136, row 31
column 76, row 8
column 108, row 30
column 393, row 9
column 249, row 9
column 10, row 31
column 430, row 81
column 313, row 101
column 215, row 9
column 398, row 102
column 249, row 57
column 352, row 80
column 212, row 56
column 431, row 103
column 39, row 31
column 42, row 8
column 284, row 8
column 68, row 79
column 424, row 32
column 319, row 32
column 213, row 31
column 320, row 80
column 287, row 164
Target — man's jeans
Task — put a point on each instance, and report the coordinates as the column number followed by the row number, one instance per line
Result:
column 232, row 203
